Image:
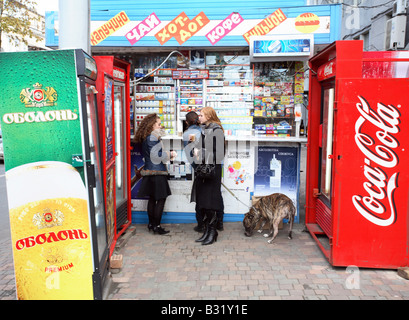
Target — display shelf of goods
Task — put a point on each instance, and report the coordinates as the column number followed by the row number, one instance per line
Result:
column 230, row 92
column 157, row 95
column 236, row 125
column 278, row 87
column 190, row 96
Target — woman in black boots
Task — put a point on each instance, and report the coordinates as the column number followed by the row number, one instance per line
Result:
column 208, row 194
column 155, row 175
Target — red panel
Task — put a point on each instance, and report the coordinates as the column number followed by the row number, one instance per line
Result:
column 371, row 179
column 118, row 70
column 313, row 148
column 324, row 218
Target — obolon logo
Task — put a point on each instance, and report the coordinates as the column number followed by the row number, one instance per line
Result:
column 37, row 97
column 48, row 219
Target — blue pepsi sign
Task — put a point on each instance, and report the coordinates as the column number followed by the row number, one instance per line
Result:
column 273, row 47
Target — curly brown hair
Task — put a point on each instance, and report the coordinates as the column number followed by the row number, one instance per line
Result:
column 145, row 128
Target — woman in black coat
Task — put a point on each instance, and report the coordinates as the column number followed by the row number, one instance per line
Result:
column 208, row 191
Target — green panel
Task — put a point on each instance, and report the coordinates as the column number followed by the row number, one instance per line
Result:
column 39, row 107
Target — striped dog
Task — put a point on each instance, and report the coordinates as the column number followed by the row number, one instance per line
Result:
column 272, row 209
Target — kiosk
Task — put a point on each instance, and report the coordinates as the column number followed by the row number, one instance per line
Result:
column 259, row 101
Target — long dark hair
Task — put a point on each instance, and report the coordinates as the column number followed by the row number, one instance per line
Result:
column 145, row 128
column 192, row 118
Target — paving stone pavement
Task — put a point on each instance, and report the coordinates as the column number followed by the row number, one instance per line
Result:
column 7, row 279
column 174, row 267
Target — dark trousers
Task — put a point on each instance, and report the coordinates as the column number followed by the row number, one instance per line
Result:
column 155, row 211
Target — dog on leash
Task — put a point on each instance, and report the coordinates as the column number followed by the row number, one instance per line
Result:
column 270, row 209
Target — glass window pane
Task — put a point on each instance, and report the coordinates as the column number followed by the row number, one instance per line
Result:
column 119, row 103
column 327, row 141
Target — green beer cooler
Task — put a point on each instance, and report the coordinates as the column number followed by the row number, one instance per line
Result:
column 48, row 113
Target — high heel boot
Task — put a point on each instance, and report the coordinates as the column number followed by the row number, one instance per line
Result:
column 212, row 232
column 160, row 230
column 205, row 229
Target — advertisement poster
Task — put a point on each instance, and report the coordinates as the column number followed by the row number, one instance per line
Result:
column 238, row 169
column 238, row 176
column 282, row 47
column 109, row 129
column 47, row 197
column 110, row 204
column 277, row 172
column 137, row 165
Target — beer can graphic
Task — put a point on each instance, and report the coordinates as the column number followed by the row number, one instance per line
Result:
column 50, row 231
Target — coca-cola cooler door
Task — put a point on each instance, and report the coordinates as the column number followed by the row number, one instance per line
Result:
column 371, row 176
column 95, row 184
column 121, row 150
column 326, row 139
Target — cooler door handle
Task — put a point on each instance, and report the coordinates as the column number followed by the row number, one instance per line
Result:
column 77, row 160
column 320, row 136
column 91, row 175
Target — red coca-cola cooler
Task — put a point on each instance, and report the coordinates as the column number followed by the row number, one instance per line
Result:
column 357, row 206
column 114, row 118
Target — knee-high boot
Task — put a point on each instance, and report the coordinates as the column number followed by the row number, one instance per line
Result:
column 200, row 219
column 205, row 227
column 219, row 225
column 212, row 232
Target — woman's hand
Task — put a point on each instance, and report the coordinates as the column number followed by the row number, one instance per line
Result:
column 173, row 155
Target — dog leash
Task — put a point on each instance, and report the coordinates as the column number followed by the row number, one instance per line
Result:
column 235, row 196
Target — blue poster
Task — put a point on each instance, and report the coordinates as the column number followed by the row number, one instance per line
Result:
column 109, row 129
column 137, row 165
column 277, row 171
column 282, row 47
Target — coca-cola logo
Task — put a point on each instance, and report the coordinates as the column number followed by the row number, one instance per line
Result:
column 380, row 163
column 119, row 74
column 329, row 69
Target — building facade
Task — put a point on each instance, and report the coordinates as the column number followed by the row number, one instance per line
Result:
column 37, row 26
column 381, row 24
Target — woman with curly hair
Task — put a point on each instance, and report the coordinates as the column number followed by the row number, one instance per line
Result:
column 154, row 175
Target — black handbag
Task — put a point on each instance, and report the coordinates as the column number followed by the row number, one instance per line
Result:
column 205, row 171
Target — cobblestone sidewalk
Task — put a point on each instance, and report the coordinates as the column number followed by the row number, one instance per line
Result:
column 173, row 266
column 7, row 280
